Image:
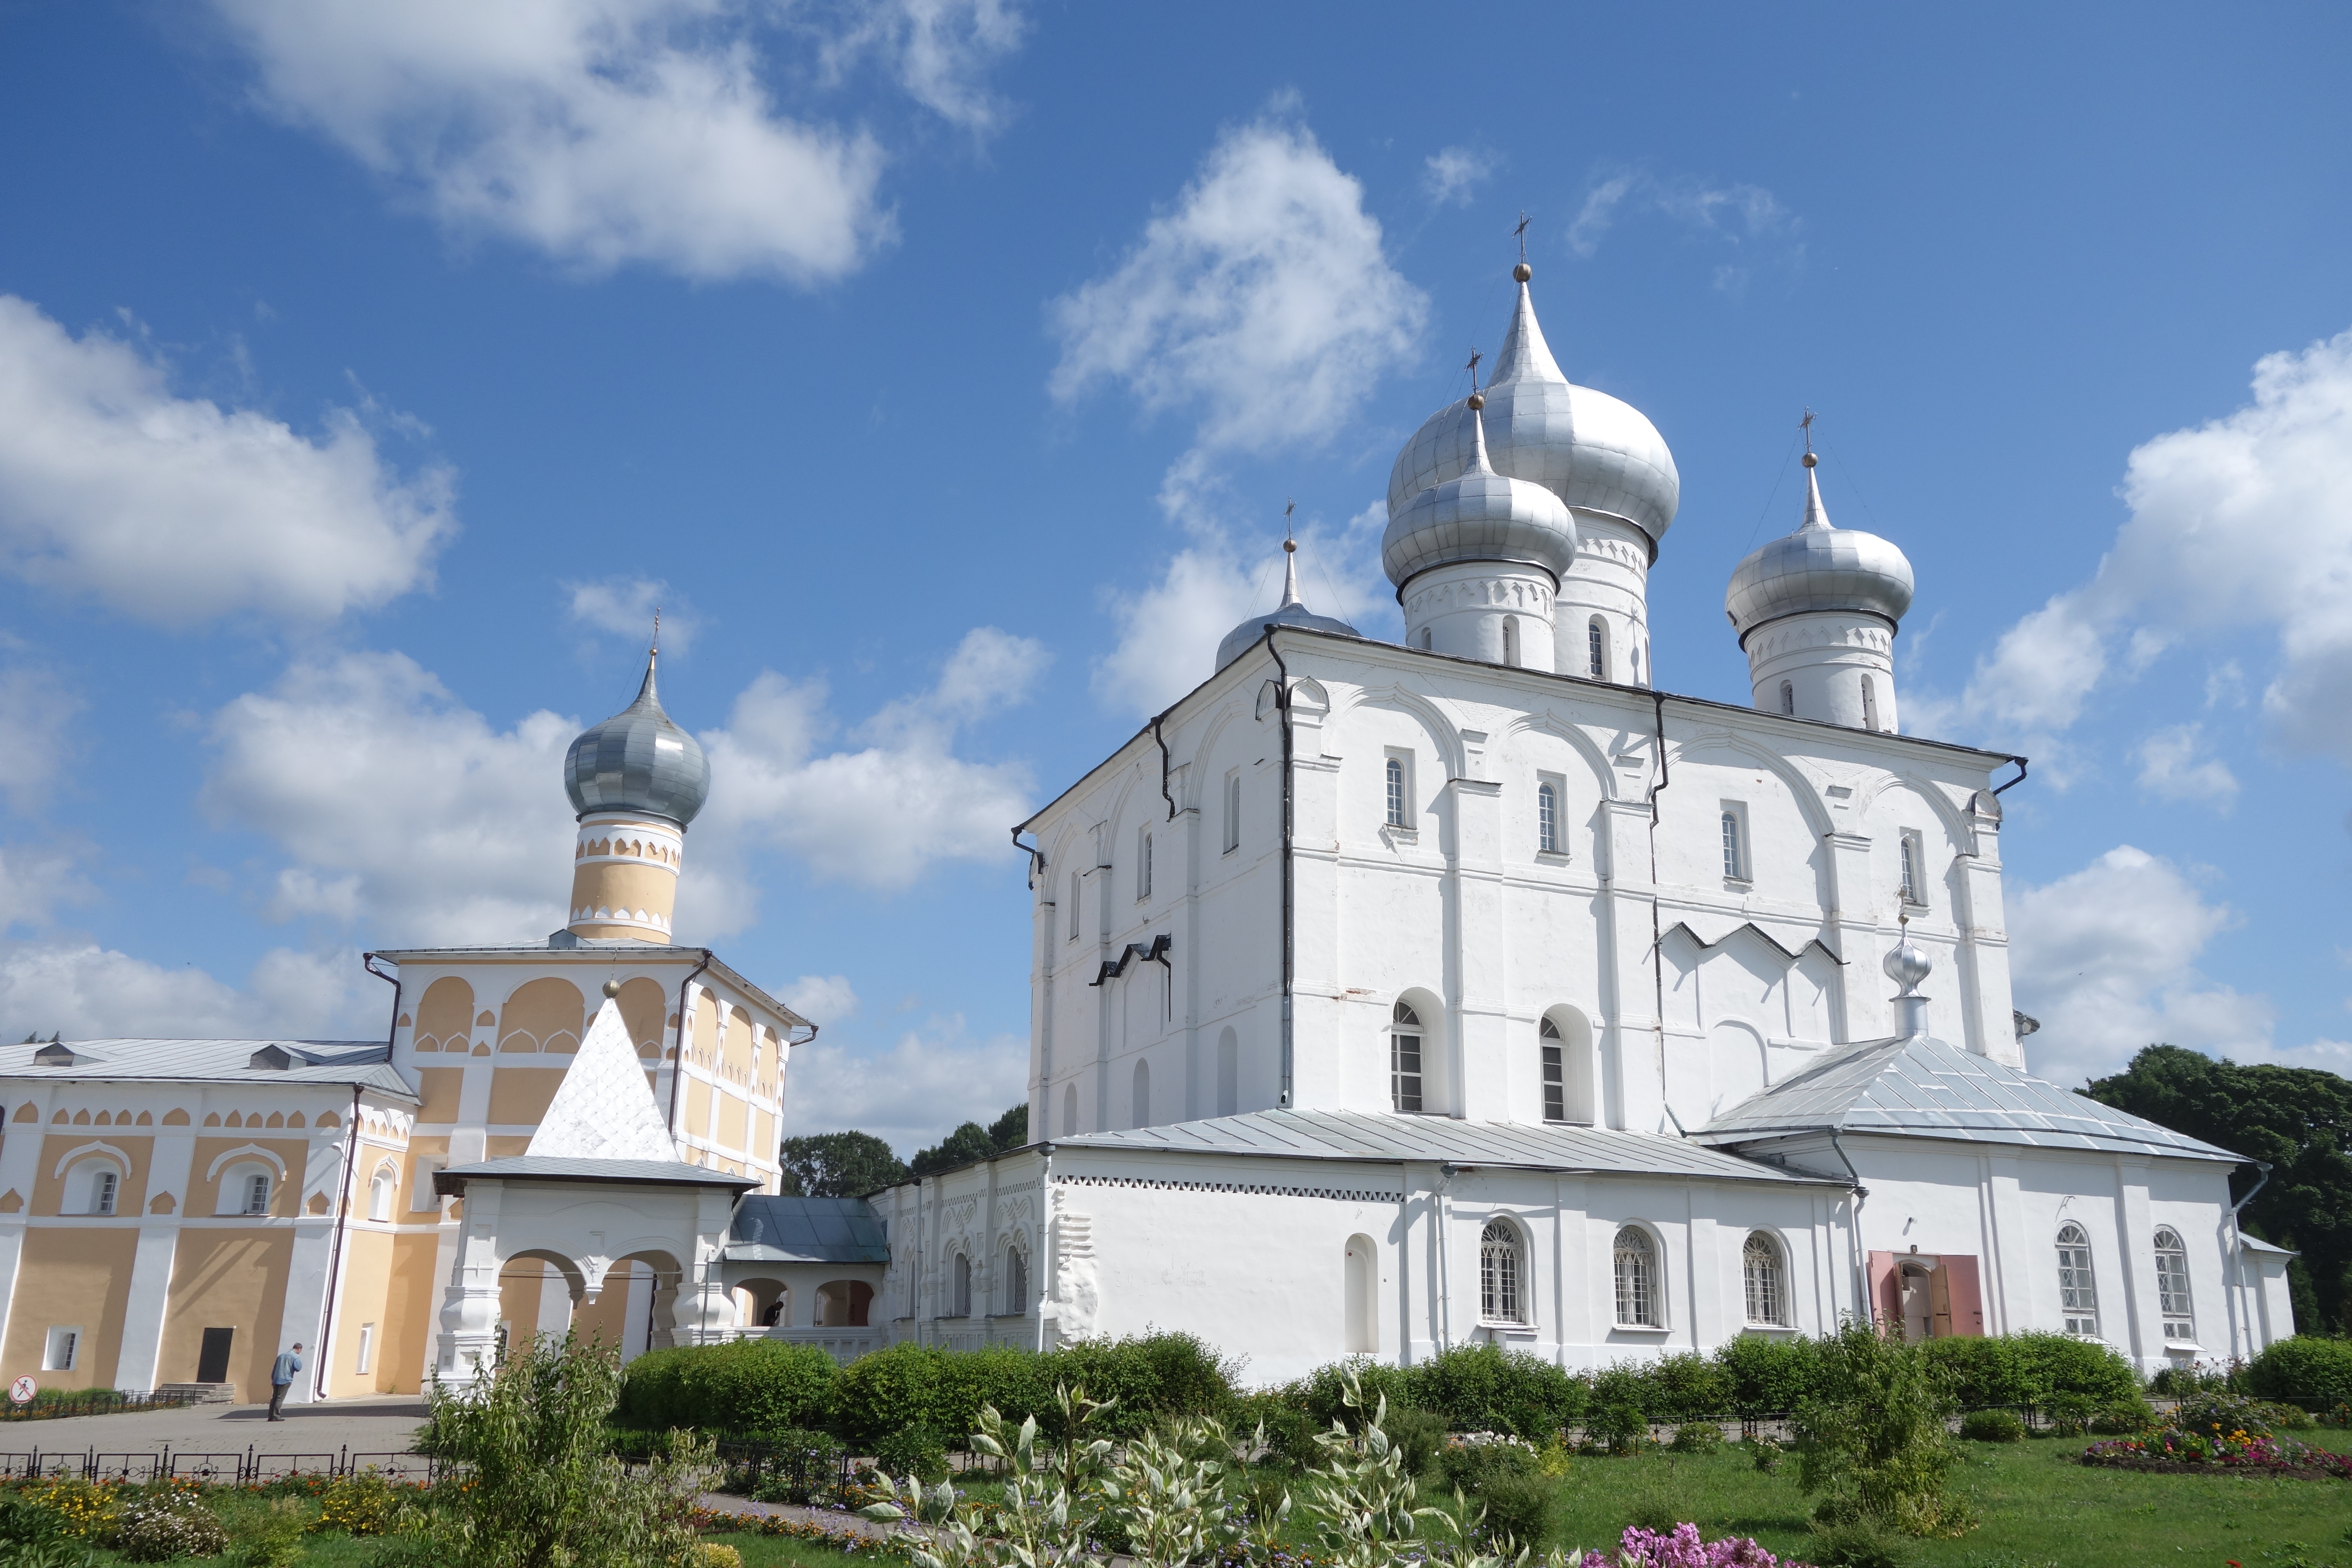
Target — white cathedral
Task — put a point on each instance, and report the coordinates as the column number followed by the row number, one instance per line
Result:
column 1384, row 998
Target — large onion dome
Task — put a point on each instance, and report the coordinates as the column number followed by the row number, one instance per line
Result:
column 1291, row 612
column 1819, row 568
column 1591, row 451
column 1478, row 514
column 638, row 760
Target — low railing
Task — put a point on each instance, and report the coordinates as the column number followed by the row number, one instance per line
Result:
column 843, row 1344
column 228, row 1467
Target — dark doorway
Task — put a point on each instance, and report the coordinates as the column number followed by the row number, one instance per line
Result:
column 212, row 1362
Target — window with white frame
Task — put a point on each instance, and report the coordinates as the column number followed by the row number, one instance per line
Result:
column 2172, row 1286
column 380, row 1190
column 62, row 1350
column 1502, row 1270
column 1914, row 850
column 103, row 1185
column 254, row 1189
column 1788, row 698
column 1767, row 1279
column 1072, row 909
column 1596, row 650
column 1143, row 864
column 1233, row 811
column 1555, row 1071
column 1397, row 784
column 1547, row 839
column 1636, row 1259
column 2078, row 1292
column 1735, row 844
column 366, row 1359
column 1404, row 1058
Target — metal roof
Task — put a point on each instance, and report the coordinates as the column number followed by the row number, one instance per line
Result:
column 2256, row 1244
column 452, row 1182
column 1366, row 1136
column 364, row 1063
column 771, row 1229
column 1922, row 1088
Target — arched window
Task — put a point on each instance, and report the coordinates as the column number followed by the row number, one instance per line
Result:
column 1425, row 637
column 1547, row 818
column 1070, row 1112
column 1735, row 857
column 1767, row 1279
column 1596, row 650
column 1404, row 1059
column 1141, row 1106
column 2172, row 1286
column 1360, row 1303
column 1017, row 1281
column 1869, row 703
column 1394, row 774
column 103, row 1185
column 1910, row 868
column 1502, row 1270
column 1511, row 641
column 2078, row 1292
column 1638, row 1304
column 1788, row 698
column 959, row 1286
column 380, row 1190
column 1555, row 1072
column 1143, row 867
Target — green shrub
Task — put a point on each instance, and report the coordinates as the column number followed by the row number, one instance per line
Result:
column 1290, row 1431
column 1518, row 1507
column 1151, row 1376
column 1875, row 1445
column 1417, row 1435
column 1764, row 1376
column 741, row 1387
column 1486, row 1388
column 1685, row 1386
column 272, row 1538
column 1698, row 1437
column 169, row 1524
column 363, row 1504
column 1472, row 1466
column 914, row 1451
column 1322, row 1392
column 1765, row 1454
column 24, row 1521
column 1993, row 1427
column 2033, row 1369
column 2122, row 1417
column 1622, row 1428
column 1625, row 1383
column 2304, row 1368
column 797, row 1466
column 1861, row 1542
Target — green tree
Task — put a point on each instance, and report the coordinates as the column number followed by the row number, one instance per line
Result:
column 1874, row 1444
column 1010, row 1130
column 2298, row 1120
column 839, row 1166
column 973, row 1141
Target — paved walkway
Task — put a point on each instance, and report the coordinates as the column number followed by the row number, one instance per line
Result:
column 381, row 1425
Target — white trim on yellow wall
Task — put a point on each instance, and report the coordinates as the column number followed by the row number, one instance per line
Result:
column 241, row 1151
column 91, row 1148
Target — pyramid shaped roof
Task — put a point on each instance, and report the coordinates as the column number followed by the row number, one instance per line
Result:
column 604, row 1108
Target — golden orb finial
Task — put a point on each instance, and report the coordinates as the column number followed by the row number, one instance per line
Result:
column 1522, row 272
column 612, row 988
column 1477, row 400
column 1810, row 460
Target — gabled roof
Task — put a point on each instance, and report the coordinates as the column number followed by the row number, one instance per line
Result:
column 771, row 1229
column 1384, row 1138
column 366, row 1064
column 1922, row 1088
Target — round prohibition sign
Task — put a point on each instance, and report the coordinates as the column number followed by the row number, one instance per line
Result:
column 21, row 1392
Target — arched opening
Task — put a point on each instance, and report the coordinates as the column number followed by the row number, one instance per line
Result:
column 1869, row 703
column 1764, row 1276
column 843, row 1303
column 1789, row 698
column 2078, row 1290
column 1596, row 649
column 1015, row 1300
column 1139, row 1101
column 1735, row 1064
column 1641, row 1302
column 763, row 1303
column 1362, row 1306
column 959, row 1286
column 538, row 1292
column 1564, row 1039
column 1070, row 1110
column 1405, row 1041
column 381, row 1188
column 1229, row 1073
column 1502, row 1274
column 93, row 1185
column 2172, row 1286
column 1547, row 818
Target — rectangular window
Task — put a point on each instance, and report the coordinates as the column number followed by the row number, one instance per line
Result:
column 1396, row 775
column 1734, row 843
column 1142, row 864
column 1233, row 811
column 103, row 1195
column 367, row 1350
column 1555, row 1081
column 1404, row 1061
column 1914, row 855
column 63, row 1349
column 256, row 1194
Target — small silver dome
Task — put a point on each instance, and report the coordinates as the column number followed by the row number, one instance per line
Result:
column 1291, row 612
column 1478, row 515
column 1590, row 449
column 1819, row 568
column 638, row 760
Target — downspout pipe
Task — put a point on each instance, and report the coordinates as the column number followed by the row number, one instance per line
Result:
column 2015, row 782
column 1044, row 1218
column 1162, row 742
column 2238, row 1256
column 343, row 1209
column 1863, row 1306
column 1446, row 1174
column 1658, row 936
column 677, row 1063
column 1036, row 855
column 1289, row 873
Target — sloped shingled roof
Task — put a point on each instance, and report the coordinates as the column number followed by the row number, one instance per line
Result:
column 771, row 1229
column 1365, row 1136
column 1921, row 1088
column 366, row 1063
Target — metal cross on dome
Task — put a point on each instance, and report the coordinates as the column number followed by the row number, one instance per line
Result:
column 1520, row 234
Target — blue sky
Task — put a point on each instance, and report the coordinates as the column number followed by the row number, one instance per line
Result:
column 942, row 367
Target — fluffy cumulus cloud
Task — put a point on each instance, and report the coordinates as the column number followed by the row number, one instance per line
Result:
column 1261, row 301
column 39, row 877
column 2107, row 959
column 1454, row 175
column 2173, row 766
column 626, row 607
column 608, row 132
column 84, row 991
column 2214, row 509
column 880, row 812
column 37, row 709
column 176, row 510
column 910, row 1091
column 822, row 999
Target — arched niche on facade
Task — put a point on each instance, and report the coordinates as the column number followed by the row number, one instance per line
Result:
column 1440, row 1081
column 543, row 1014
column 445, row 1016
column 1579, row 1061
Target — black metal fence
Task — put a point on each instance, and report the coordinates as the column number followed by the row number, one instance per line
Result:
column 782, row 1472
column 231, row 1468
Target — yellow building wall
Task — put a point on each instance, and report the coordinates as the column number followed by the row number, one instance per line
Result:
column 204, row 1192
column 411, row 1313
column 48, row 1186
column 730, row 1122
column 71, row 1275
column 367, row 1272
column 226, row 1279
column 438, row 1087
column 519, row 1096
column 607, row 1318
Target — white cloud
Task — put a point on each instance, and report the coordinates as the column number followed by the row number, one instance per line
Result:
column 36, row 879
column 87, row 991
column 626, row 607
column 403, row 812
column 2106, row 958
column 604, row 133
column 910, row 1093
column 940, row 50
column 822, row 999
column 35, row 707
column 2214, row 512
column 1454, row 175
column 2169, row 768
column 1262, row 299
column 880, row 815
column 1748, row 217
column 174, row 510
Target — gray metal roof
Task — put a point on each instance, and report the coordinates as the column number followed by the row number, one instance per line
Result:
column 1922, row 1088
column 366, row 1063
column 771, row 1229
column 541, row 1168
column 1365, row 1136
column 2256, row 1244
column 638, row 760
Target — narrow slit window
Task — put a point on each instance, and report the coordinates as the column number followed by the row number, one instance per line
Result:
column 1072, row 914
column 1511, row 641
column 1789, row 698
column 1555, row 1074
column 365, row 1360
column 2172, row 1286
column 2078, row 1291
column 1547, row 818
column 1911, row 869
column 1143, row 867
column 1869, row 703
column 1501, row 1267
column 1404, row 1059
column 1233, row 811
column 1426, row 641
column 1735, row 857
column 1395, row 774
column 102, row 1193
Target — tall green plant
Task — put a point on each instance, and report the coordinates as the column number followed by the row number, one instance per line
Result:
column 1874, row 1444
column 542, row 1491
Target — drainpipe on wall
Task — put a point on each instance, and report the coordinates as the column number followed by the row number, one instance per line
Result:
column 1045, row 1256
column 2238, row 1260
column 1853, row 1236
column 678, row 1066
column 351, row 1158
column 1445, row 1258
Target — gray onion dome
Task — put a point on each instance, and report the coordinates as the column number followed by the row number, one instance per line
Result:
column 1591, row 451
column 638, row 760
column 1478, row 515
column 1819, row 568
column 1291, row 612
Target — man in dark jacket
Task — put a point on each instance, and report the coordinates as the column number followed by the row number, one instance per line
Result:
column 281, row 1378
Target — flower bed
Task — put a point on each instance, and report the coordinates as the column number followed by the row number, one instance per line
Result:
column 2179, row 1450
column 1682, row 1548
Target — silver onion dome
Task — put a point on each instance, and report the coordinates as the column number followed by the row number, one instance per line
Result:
column 1478, row 515
column 1591, row 451
column 1819, row 568
column 1291, row 612
column 638, row 760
